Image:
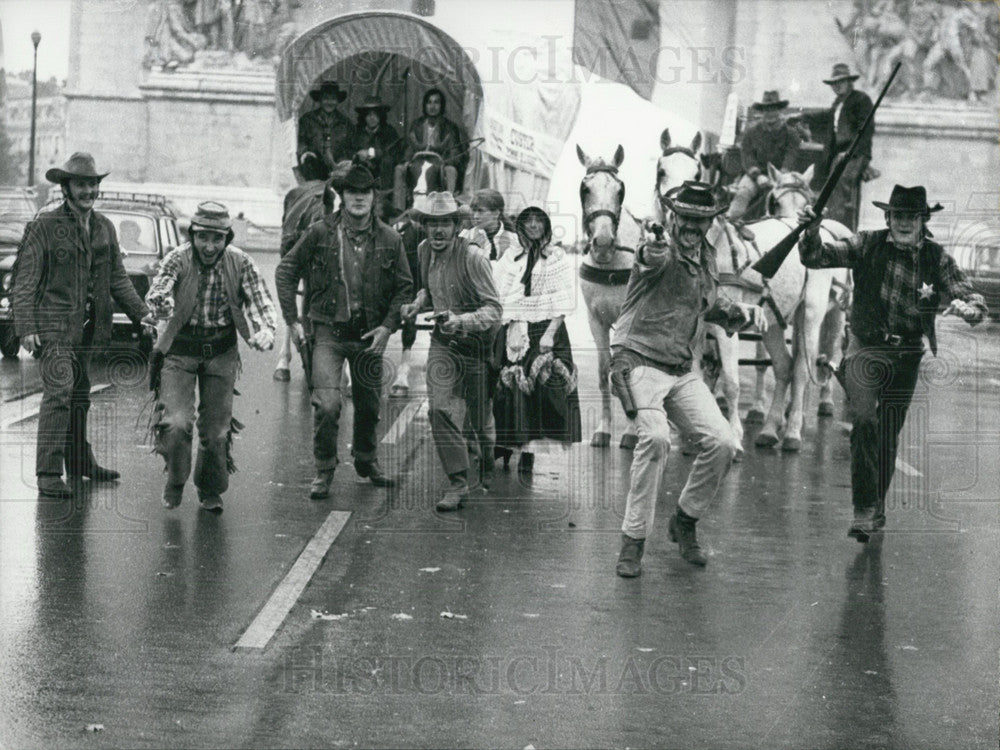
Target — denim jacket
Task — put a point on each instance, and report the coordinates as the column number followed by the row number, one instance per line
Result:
column 666, row 305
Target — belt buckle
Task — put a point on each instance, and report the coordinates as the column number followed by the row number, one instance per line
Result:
column 206, row 351
column 893, row 339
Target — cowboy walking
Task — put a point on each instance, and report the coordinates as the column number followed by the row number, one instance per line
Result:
column 207, row 291
column 457, row 283
column 900, row 278
column 673, row 289
column 358, row 280
column 69, row 270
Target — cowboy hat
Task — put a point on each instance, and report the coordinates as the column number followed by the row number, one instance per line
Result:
column 694, row 199
column 357, row 178
column 841, row 72
column 79, row 165
column 213, row 217
column 371, row 102
column 909, row 200
column 328, row 87
column 439, row 205
column 770, row 100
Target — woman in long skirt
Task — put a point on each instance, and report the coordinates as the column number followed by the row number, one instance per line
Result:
column 536, row 399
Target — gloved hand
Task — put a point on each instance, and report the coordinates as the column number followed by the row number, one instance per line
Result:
column 546, row 343
column 964, row 310
column 263, row 339
column 517, row 340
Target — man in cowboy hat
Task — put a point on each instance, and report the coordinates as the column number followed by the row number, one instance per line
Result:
column 69, row 270
column 358, row 280
column 672, row 290
column 850, row 108
column 376, row 141
column 457, row 283
column 205, row 292
column 324, row 133
column 901, row 277
column 770, row 141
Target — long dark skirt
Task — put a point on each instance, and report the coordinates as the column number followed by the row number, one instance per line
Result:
column 551, row 410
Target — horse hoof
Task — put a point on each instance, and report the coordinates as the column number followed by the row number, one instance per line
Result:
column 600, row 440
column 399, row 391
column 766, row 440
column 754, row 417
column 825, row 409
column 738, row 457
column 723, row 406
column 791, row 445
column 282, row 374
column 628, row 442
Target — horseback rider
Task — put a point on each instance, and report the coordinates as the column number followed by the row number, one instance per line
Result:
column 435, row 133
column 850, row 108
column 672, row 291
column 324, row 133
column 770, row 141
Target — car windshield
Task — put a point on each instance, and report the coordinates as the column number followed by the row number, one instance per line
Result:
column 136, row 238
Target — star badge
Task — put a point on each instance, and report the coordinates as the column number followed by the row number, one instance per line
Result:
column 926, row 290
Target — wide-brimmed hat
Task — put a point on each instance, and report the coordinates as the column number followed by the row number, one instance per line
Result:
column 328, row 87
column 357, row 178
column 911, row 200
column 439, row 205
column 371, row 102
column 213, row 217
column 488, row 199
column 79, row 165
column 770, row 100
column 695, row 199
column 841, row 72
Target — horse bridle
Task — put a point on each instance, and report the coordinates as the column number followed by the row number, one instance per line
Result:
column 615, row 216
column 670, row 152
column 797, row 187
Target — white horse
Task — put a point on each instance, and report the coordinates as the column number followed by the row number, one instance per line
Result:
column 791, row 296
column 612, row 236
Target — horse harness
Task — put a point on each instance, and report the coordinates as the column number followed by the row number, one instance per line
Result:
column 736, row 277
column 615, row 216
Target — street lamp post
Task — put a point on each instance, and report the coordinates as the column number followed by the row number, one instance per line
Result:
column 35, row 39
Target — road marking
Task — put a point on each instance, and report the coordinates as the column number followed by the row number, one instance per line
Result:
column 28, row 406
column 281, row 601
column 410, row 412
column 901, row 465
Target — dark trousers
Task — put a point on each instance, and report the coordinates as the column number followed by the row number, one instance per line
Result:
column 879, row 382
column 62, row 415
column 843, row 205
column 214, row 377
column 329, row 355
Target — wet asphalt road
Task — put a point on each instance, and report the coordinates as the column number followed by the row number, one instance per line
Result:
column 118, row 613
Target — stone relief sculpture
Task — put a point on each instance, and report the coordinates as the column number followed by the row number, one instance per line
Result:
column 218, row 33
column 948, row 48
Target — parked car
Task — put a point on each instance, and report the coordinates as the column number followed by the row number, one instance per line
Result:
column 17, row 207
column 146, row 225
column 985, row 276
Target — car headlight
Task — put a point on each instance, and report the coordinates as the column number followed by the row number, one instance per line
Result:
column 8, row 279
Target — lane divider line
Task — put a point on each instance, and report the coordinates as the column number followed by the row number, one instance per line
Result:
column 410, row 412
column 287, row 593
column 28, row 407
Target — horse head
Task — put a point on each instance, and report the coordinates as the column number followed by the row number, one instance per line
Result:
column 601, row 196
column 425, row 173
column 790, row 192
column 676, row 164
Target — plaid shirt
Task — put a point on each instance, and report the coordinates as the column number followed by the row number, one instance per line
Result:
column 901, row 286
column 212, row 310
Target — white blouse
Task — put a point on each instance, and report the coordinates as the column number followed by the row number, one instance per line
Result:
column 552, row 289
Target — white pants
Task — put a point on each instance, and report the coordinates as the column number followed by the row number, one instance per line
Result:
column 688, row 403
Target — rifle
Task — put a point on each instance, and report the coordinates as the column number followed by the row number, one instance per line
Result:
column 769, row 263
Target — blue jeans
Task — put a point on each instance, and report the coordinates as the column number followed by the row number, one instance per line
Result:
column 214, row 377
column 62, row 415
column 329, row 356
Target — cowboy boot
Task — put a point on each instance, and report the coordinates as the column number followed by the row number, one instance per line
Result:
column 630, row 557
column 320, row 487
column 681, row 530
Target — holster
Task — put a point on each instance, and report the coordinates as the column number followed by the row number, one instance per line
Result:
column 621, row 387
column 306, row 346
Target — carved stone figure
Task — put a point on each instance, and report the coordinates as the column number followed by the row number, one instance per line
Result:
column 214, row 20
column 170, row 41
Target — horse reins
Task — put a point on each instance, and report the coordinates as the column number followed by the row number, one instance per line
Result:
column 615, row 216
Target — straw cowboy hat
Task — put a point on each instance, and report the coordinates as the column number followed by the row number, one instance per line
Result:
column 694, row 199
column 328, row 87
column 79, row 165
column 440, row 205
column 371, row 103
column 911, row 200
column 841, row 72
column 770, row 100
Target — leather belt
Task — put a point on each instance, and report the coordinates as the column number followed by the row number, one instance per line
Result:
column 197, row 341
